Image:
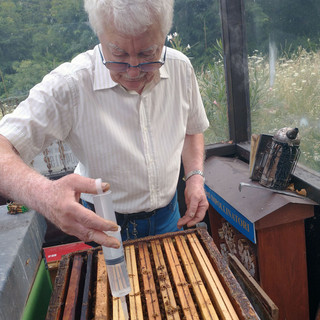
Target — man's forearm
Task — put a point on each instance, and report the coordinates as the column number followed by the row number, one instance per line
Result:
column 18, row 181
column 57, row 200
column 193, row 153
column 196, row 201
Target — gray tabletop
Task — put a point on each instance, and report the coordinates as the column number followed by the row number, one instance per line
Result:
column 21, row 238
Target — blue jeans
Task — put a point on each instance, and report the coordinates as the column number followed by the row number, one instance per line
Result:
column 162, row 221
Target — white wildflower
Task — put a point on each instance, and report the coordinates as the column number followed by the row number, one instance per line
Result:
column 304, row 122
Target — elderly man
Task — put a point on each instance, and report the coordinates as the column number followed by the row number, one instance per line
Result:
column 129, row 109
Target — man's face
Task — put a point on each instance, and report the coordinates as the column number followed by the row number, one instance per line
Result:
column 146, row 47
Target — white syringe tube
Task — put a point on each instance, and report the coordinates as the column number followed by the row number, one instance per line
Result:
column 103, row 203
column 114, row 258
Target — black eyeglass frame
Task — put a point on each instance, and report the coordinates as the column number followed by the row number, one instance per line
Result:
column 142, row 66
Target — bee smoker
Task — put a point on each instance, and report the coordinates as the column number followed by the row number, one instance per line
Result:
column 281, row 159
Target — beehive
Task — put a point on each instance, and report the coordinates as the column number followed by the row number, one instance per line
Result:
column 173, row 276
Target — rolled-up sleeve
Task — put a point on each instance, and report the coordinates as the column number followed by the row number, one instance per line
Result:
column 197, row 118
column 45, row 116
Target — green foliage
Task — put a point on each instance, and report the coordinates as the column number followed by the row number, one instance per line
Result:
column 284, row 22
column 59, row 30
column 213, row 92
column 27, row 74
column 33, row 44
column 198, row 24
column 13, row 39
column 174, row 41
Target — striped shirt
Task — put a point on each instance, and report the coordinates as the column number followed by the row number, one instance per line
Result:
column 134, row 142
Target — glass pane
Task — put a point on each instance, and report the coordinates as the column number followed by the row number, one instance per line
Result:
column 284, row 57
column 197, row 32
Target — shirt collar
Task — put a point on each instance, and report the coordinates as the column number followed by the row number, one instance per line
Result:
column 102, row 79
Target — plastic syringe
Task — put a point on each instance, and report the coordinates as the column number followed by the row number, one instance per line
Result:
column 114, row 258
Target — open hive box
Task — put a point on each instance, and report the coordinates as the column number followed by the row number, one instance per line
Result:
column 177, row 275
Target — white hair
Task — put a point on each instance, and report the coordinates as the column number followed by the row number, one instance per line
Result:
column 131, row 17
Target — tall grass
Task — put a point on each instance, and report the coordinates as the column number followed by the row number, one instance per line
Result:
column 213, row 91
column 293, row 100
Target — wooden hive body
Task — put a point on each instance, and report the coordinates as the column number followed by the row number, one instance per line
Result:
column 173, row 276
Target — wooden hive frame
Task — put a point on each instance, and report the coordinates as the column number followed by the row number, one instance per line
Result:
column 174, row 276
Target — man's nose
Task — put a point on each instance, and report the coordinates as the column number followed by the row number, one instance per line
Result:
column 133, row 68
column 133, row 71
column 133, row 60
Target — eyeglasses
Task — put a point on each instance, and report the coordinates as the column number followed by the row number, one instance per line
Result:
column 123, row 66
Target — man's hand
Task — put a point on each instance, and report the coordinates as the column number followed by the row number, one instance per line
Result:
column 57, row 200
column 63, row 209
column 196, row 202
